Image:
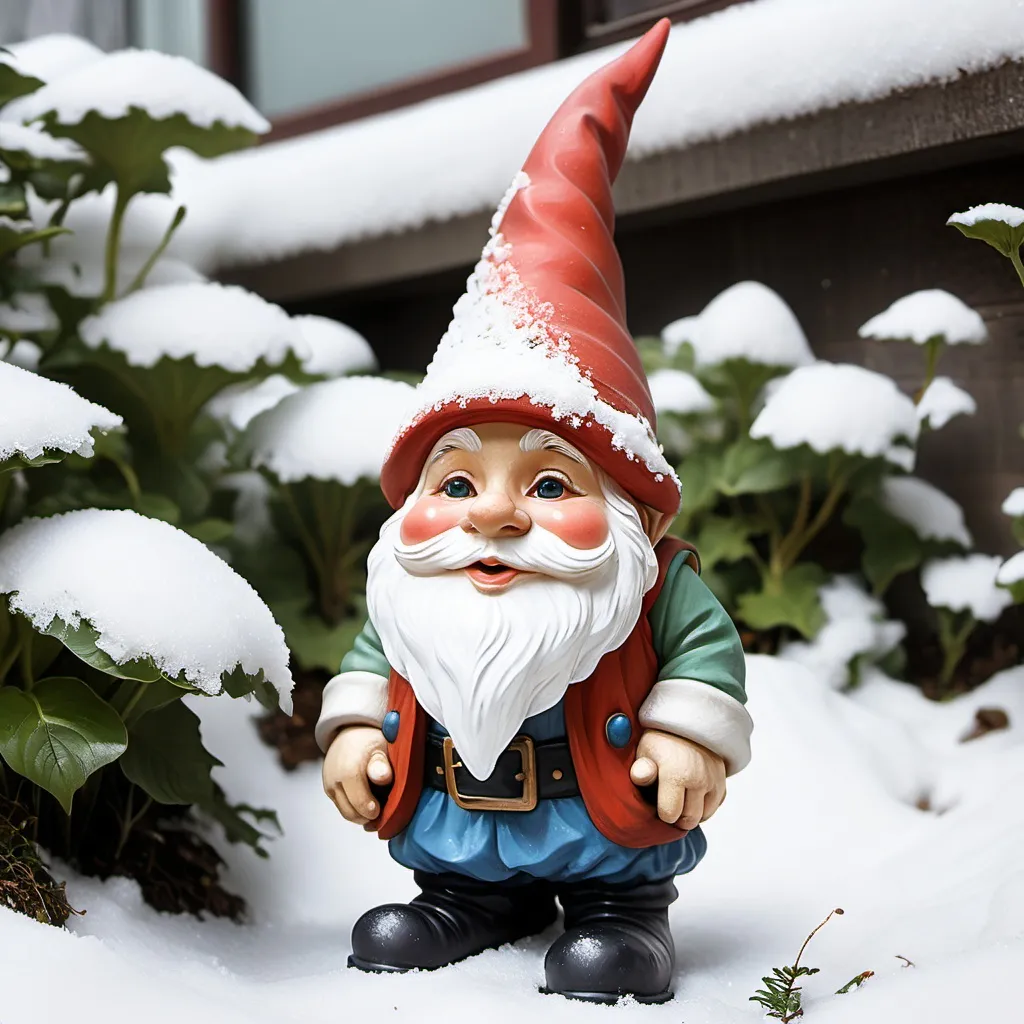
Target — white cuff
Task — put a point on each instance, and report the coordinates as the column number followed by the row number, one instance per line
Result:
column 704, row 714
column 351, row 698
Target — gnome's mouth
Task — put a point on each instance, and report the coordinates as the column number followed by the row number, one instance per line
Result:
column 493, row 576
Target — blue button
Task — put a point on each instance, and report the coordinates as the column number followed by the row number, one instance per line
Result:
column 618, row 729
column 390, row 726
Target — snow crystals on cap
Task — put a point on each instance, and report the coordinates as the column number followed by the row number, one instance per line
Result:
column 831, row 406
column 149, row 590
column 37, row 415
column 927, row 315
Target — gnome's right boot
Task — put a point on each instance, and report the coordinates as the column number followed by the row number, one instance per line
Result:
column 452, row 918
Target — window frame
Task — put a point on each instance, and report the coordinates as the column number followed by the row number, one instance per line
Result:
column 226, row 26
column 579, row 34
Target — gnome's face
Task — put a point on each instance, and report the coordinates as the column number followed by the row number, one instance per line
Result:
column 506, row 576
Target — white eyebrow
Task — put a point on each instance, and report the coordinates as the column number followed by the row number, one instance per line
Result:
column 464, row 439
column 544, row 440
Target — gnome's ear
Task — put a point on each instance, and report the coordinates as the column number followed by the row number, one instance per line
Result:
column 655, row 523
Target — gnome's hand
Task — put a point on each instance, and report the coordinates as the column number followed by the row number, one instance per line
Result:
column 356, row 757
column 691, row 779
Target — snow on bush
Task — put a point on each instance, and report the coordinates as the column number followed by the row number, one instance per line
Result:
column 27, row 312
column 855, row 628
column 335, row 430
column 149, row 590
column 25, row 354
column 926, row 316
column 676, row 333
column 1011, row 571
column 49, row 57
column 239, row 403
column 747, row 321
column 335, row 348
column 213, row 324
column 1014, row 504
column 932, row 514
column 966, row 583
column 160, row 84
column 831, row 406
column 39, row 415
column 679, row 392
column 35, row 143
column 941, row 401
column 1011, row 216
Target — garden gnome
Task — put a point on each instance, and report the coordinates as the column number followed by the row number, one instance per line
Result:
column 546, row 700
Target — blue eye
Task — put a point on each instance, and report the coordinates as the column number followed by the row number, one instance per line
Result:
column 458, row 487
column 550, row 487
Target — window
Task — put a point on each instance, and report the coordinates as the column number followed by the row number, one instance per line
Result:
column 591, row 23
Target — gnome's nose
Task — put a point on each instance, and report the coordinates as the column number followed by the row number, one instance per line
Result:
column 495, row 515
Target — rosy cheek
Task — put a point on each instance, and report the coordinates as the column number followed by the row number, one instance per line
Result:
column 429, row 517
column 580, row 523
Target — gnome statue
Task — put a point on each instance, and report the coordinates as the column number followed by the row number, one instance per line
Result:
column 546, row 700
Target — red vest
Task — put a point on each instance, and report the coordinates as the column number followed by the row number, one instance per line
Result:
column 620, row 684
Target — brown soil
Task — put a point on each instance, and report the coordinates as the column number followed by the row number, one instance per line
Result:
column 292, row 735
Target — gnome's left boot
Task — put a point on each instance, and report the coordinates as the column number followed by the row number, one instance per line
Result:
column 617, row 942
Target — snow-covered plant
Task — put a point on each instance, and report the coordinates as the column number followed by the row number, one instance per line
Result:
column 1000, row 225
column 1011, row 572
column 321, row 450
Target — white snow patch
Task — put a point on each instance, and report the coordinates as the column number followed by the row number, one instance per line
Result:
column 933, row 514
column 34, row 142
column 942, row 400
column 51, row 56
column 25, row 354
column 1014, row 504
column 966, row 583
column 679, row 392
column 1012, row 216
column 676, row 333
column 1011, row 571
column 237, row 404
column 833, row 406
column 855, row 628
column 27, row 312
column 335, row 348
column 159, row 83
column 335, row 430
column 149, row 590
column 926, row 315
column 213, row 324
column 37, row 415
column 746, row 321
column 399, row 170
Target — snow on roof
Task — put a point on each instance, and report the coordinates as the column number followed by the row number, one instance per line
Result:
column 833, row 406
column 396, row 171
column 1014, row 504
column 52, row 56
column 159, row 83
column 942, row 400
column 335, row 347
column 38, row 415
column 922, row 316
column 1011, row 571
column 214, row 324
column 855, row 626
column 933, row 514
column 1013, row 216
column 100, row 565
column 966, row 583
column 335, row 430
column 240, row 403
column 747, row 321
column 32, row 140
column 679, row 392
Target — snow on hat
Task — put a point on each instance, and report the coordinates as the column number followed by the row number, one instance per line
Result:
column 540, row 337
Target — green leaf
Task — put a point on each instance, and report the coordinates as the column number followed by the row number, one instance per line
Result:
column 233, row 819
column 698, row 476
column 891, row 547
column 12, row 199
column 314, row 643
column 790, row 601
column 129, row 149
column 14, row 84
column 725, row 539
column 82, row 643
column 167, row 759
column 755, row 467
column 1000, row 235
column 1016, row 591
column 20, row 462
column 211, row 531
column 58, row 734
column 159, row 506
column 13, row 238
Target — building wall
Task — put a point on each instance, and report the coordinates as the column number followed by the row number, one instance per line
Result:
column 838, row 258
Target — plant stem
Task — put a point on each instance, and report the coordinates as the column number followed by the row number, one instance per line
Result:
column 832, row 913
column 140, row 278
column 1017, row 265
column 114, row 245
column 954, row 643
column 140, row 689
column 129, row 821
column 934, row 347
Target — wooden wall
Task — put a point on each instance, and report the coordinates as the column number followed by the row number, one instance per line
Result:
column 837, row 258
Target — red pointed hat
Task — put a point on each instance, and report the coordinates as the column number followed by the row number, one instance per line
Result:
column 540, row 337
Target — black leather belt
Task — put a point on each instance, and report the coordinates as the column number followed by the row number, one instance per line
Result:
column 525, row 773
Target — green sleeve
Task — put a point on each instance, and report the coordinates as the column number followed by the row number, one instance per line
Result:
column 366, row 655
column 694, row 638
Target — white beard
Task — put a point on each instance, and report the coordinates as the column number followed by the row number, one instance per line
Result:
column 481, row 664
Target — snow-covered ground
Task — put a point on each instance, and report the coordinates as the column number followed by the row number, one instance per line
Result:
column 825, row 817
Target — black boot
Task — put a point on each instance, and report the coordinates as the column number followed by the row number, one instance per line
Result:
column 617, row 942
column 454, row 917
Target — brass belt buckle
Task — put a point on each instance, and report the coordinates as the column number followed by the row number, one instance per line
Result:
column 523, row 746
